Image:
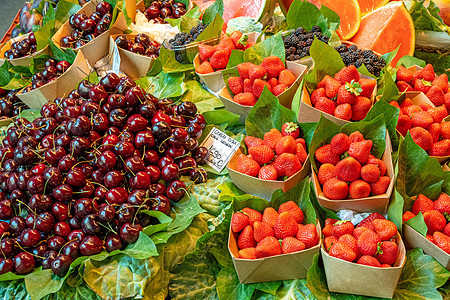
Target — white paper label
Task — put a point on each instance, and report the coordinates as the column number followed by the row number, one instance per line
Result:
column 221, row 148
column 116, row 59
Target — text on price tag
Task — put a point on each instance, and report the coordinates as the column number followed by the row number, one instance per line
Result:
column 220, row 147
column 116, row 59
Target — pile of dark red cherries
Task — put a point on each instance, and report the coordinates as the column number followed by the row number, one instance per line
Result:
column 22, row 48
column 158, row 10
column 76, row 180
column 85, row 29
column 52, row 70
column 10, row 104
column 141, row 44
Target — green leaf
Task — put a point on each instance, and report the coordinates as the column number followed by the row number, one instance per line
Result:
column 204, row 100
column 211, row 11
column 388, row 57
column 163, row 219
column 395, row 210
column 11, row 276
column 143, row 248
column 271, row 46
column 64, row 10
column 47, row 29
column 59, row 54
column 166, row 85
column 388, row 90
column 187, row 22
column 333, row 19
column 5, row 75
column 213, row 29
column 169, row 64
column 418, row 224
column 236, row 57
column 244, row 25
column 426, row 18
column 409, row 61
column 42, row 283
column 438, row 60
column 30, row 114
column 14, row 289
column 223, row 118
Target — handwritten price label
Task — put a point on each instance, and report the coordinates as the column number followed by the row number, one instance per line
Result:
column 221, row 148
column 116, row 59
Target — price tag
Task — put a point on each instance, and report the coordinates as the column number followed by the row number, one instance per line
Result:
column 116, row 59
column 220, row 149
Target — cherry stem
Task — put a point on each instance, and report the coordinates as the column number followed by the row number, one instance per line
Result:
column 29, row 252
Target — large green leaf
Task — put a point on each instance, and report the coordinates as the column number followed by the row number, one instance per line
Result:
column 64, row 10
column 271, row 46
column 59, row 54
column 164, row 85
column 47, row 29
column 204, row 100
column 212, row 30
column 167, row 62
column 211, row 11
column 426, row 17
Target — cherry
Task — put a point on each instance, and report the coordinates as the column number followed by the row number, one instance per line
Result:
column 4, row 227
column 103, row 8
column 89, row 107
column 113, row 179
column 76, row 235
column 152, row 12
column 100, row 192
column 30, row 237
column 71, row 249
column 124, row 85
column 191, row 145
column 86, row 191
column 124, row 149
column 98, row 94
column 106, row 213
column 164, row 161
column 143, row 39
column 117, row 117
column 17, row 224
column 84, row 88
column 113, row 242
column 45, row 222
column 90, row 225
column 61, row 264
column 136, row 123
column 117, row 101
column 60, row 211
column 6, row 265
column 151, row 157
column 62, row 229
column 137, row 48
column 81, row 126
column 66, row 163
column 125, row 213
column 134, row 164
column 121, row 41
column 76, row 177
column 175, row 152
column 52, row 176
column 147, row 109
column 117, row 195
column 127, row 136
column 74, row 223
column 24, row 263
column 200, row 155
column 130, row 233
column 110, row 82
column 53, row 156
column 83, row 207
column 134, row 96
column 170, row 172
column 141, row 180
column 198, row 175
column 62, row 66
column 56, row 242
column 186, row 164
column 7, row 246
column 62, row 193
column 39, row 251
column 79, row 145
column 137, row 197
column 144, row 139
column 161, row 130
column 194, row 130
column 91, row 245
column 106, row 161
column 187, row 109
column 161, row 204
column 157, row 189
column 175, row 190
column 160, row 116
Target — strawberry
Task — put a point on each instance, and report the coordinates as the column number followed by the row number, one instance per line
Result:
column 427, row 73
column 273, row 65
column 286, row 144
column 404, row 87
column 395, row 104
column 324, row 155
column 422, row 204
column 359, row 230
column 436, row 95
column 272, row 137
column 447, row 100
column 301, row 153
column 262, row 230
column 246, row 99
column 308, row 235
column 356, row 136
column 227, row 44
column 360, row 150
column 279, row 89
column 258, row 87
column 348, row 169
column 359, row 189
column 290, row 128
column 251, row 141
column 421, row 137
column 361, row 108
column 247, row 166
column 239, row 221
column 411, row 110
column 367, row 86
column 248, row 86
column 243, row 69
column 347, row 74
column 286, row 77
column 292, row 208
column 370, row 173
column 425, row 106
column 343, row 227
column 442, row 204
column 291, row 244
column 328, row 229
column 421, row 119
column 329, row 241
column 421, row 85
column 273, row 82
column 379, row 163
column 205, row 51
column 249, row 45
column 446, row 230
column 405, row 103
column 445, row 130
column 285, row 226
column 268, row 172
column 236, row 85
column 407, row 216
column 331, row 87
column 316, row 94
column 262, row 154
column 403, row 124
column 442, row 241
column 301, row 141
column 430, row 238
column 256, row 72
column 380, row 187
column 326, row 171
column 441, row 148
column 287, row 164
column 348, row 92
column 442, row 82
column 246, row 239
column 343, row 111
column 253, row 215
column 403, row 74
column 384, row 228
column 270, row 216
column 438, row 113
column 367, row 242
column 268, row 247
column 368, row 260
column 335, row 189
column 322, row 83
column 326, row 105
column 435, row 221
column 340, row 143
column 219, row 59
column 342, row 251
column 248, row 253
column 204, row 68
column 239, row 40
column 367, row 221
column 351, row 242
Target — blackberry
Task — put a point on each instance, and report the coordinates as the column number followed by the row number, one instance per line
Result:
column 288, row 52
column 304, row 54
column 325, row 39
column 297, row 57
column 302, row 37
column 299, row 51
column 309, row 41
column 294, row 40
column 318, row 35
column 368, row 61
column 293, row 49
column 316, row 28
column 341, row 48
column 291, row 57
column 310, row 35
column 300, row 30
column 302, row 44
column 352, row 48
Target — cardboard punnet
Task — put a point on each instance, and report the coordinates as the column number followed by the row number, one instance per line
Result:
column 214, row 81
column 351, row 278
column 132, row 64
column 308, row 114
column 278, row 267
column 21, row 61
column 285, row 98
column 98, row 47
column 445, row 167
column 65, row 83
column 264, row 188
column 377, row 203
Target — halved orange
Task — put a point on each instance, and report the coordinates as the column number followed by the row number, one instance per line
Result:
column 368, row 6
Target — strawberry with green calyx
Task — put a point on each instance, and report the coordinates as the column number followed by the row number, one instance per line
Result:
column 307, row 234
column 290, row 128
column 343, row 227
column 273, row 65
column 262, row 230
column 236, row 84
column 262, row 154
column 348, row 93
column 206, row 51
column 239, row 221
column 268, row 247
column 270, row 216
column 367, row 242
column 347, row 74
column 285, row 226
column 442, row 204
column 422, row 85
column 247, row 166
column 253, row 215
column 385, row 229
column 292, row 208
column 342, row 251
column 239, row 39
column 434, row 220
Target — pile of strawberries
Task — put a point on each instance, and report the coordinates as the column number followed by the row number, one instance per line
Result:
column 348, row 168
column 248, row 86
column 435, row 214
column 260, row 234
column 279, row 155
column 216, row 58
column 346, row 96
column 426, row 126
column 371, row 243
column 426, row 81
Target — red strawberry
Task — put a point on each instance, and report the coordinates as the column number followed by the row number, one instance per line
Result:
column 325, row 155
column 291, row 244
column 342, row 251
column 331, row 87
column 287, row 164
column 286, row 77
column 272, row 137
column 335, row 189
column 236, row 85
column 347, row 74
column 262, row 154
column 268, row 247
column 430, row 238
column 326, row 171
column 316, row 94
column 425, row 106
column 328, row 229
column 360, row 150
column 290, row 128
column 268, row 172
column 273, row 82
column 370, row 173
column 442, row 241
column 248, row 253
column 405, row 103
column 367, row 242
column 301, row 141
column 343, row 227
column 445, row 130
column 441, row 148
column 359, row 189
column 395, row 104
column 380, row 187
column 403, row 74
column 248, row 85
column 442, row 82
column 421, row 119
column 239, row 40
column 438, row 113
column 251, row 141
column 249, row 45
column 340, row 143
column 348, row 169
column 301, row 153
column 270, row 216
column 356, row 136
column 343, row 111
column 385, row 229
column 379, row 163
column 436, row 95
column 411, row 110
column 285, row 226
column 403, row 124
column 359, row 230
column 367, row 86
column 407, row 216
column 404, row 87
column 308, row 235
column 367, row 222
column 329, row 241
column 258, row 87
column 427, row 73
column 204, row 68
column 239, row 221
column 273, row 65
column 279, row 89
column 368, row 260
column 219, row 59
column 262, row 230
column 326, row 105
column 246, row 99
column 421, row 137
column 247, row 166
column 442, row 204
column 292, row 208
column 348, row 92
column 446, row 230
column 253, row 215
column 422, row 204
column 286, row 144
column 361, row 108
column 435, row 221
column 256, row 72
column 350, row 240
column 243, row 69
column 205, row 51
column 421, row 85
column 246, row 239
column 227, row 44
